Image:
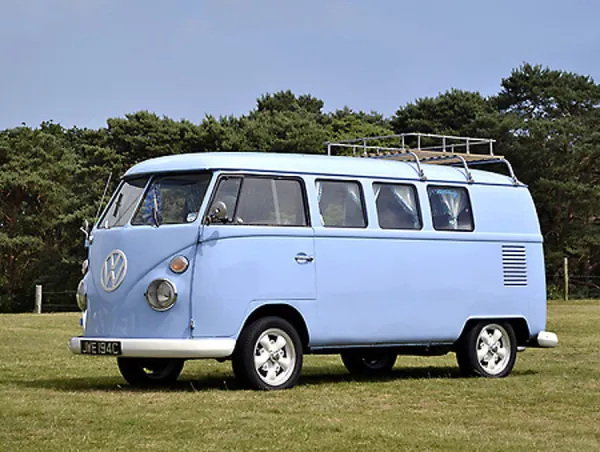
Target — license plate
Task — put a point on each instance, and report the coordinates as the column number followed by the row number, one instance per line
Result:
column 111, row 348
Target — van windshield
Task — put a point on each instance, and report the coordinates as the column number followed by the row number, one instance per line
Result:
column 172, row 199
column 123, row 203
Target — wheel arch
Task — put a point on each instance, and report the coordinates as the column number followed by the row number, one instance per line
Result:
column 286, row 312
column 519, row 324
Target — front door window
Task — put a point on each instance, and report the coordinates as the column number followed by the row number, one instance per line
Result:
column 172, row 200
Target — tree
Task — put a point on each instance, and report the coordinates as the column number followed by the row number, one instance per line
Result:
column 554, row 142
column 37, row 169
column 143, row 135
column 286, row 101
column 283, row 122
column 455, row 112
column 545, row 122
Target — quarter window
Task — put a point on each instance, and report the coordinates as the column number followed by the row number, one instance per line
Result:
column 451, row 208
column 397, row 206
column 341, row 204
column 263, row 201
column 227, row 192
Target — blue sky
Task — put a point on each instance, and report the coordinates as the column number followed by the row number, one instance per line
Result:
column 79, row 62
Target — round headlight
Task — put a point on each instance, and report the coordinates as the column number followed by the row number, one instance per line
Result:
column 161, row 294
column 81, row 296
column 178, row 264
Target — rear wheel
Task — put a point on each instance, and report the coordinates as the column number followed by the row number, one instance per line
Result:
column 372, row 362
column 488, row 349
column 268, row 355
column 150, row 371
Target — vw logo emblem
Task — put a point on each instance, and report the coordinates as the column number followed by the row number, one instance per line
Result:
column 113, row 271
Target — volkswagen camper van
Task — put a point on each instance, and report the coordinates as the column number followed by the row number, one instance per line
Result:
column 262, row 258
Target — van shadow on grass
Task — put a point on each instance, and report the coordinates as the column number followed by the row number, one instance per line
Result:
column 227, row 382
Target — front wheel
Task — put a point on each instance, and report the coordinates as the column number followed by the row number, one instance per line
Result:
column 150, row 371
column 268, row 355
column 488, row 350
column 372, row 362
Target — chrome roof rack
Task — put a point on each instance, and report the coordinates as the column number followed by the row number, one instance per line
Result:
column 426, row 148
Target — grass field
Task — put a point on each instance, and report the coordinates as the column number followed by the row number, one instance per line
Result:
column 52, row 400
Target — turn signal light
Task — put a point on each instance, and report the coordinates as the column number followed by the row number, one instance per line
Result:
column 178, row 264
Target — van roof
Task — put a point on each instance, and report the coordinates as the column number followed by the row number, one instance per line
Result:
column 312, row 164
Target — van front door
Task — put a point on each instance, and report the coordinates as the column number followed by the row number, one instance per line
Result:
column 257, row 248
column 148, row 222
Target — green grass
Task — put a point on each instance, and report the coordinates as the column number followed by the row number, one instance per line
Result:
column 52, row 400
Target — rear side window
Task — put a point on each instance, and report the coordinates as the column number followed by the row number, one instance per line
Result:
column 397, row 206
column 451, row 208
column 341, row 204
column 262, row 201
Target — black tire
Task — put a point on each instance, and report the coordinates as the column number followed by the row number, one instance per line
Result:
column 462, row 358
column 487, row 349
column 282, row 357
column 150, row 371
column 369, row 363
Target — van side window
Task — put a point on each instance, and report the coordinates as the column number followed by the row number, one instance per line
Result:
column 451, row 208
column 397, row 206
column 341, row 204
column 263, row 201
column 172, row 200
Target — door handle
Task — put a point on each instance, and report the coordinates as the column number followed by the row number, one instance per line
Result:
column 303, row 258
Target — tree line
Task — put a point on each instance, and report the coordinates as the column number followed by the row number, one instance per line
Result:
column 545, row 121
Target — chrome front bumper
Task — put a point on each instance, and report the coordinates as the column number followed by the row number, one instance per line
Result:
column 164, row 348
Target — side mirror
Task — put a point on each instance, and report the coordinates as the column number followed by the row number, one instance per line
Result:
column 217, row 213
column 86, row 230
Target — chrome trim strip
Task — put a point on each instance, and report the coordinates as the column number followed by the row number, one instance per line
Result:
column 164, row 348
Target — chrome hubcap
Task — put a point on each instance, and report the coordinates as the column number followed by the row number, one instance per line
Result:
column 274, row 357
column 493, row 349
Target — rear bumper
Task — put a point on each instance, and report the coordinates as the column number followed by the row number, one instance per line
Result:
column 544, row 339
column 164, row 348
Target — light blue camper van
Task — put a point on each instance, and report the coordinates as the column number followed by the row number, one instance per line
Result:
column 262, row 258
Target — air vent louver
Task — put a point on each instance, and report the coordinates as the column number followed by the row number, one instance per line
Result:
column 514, row 265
